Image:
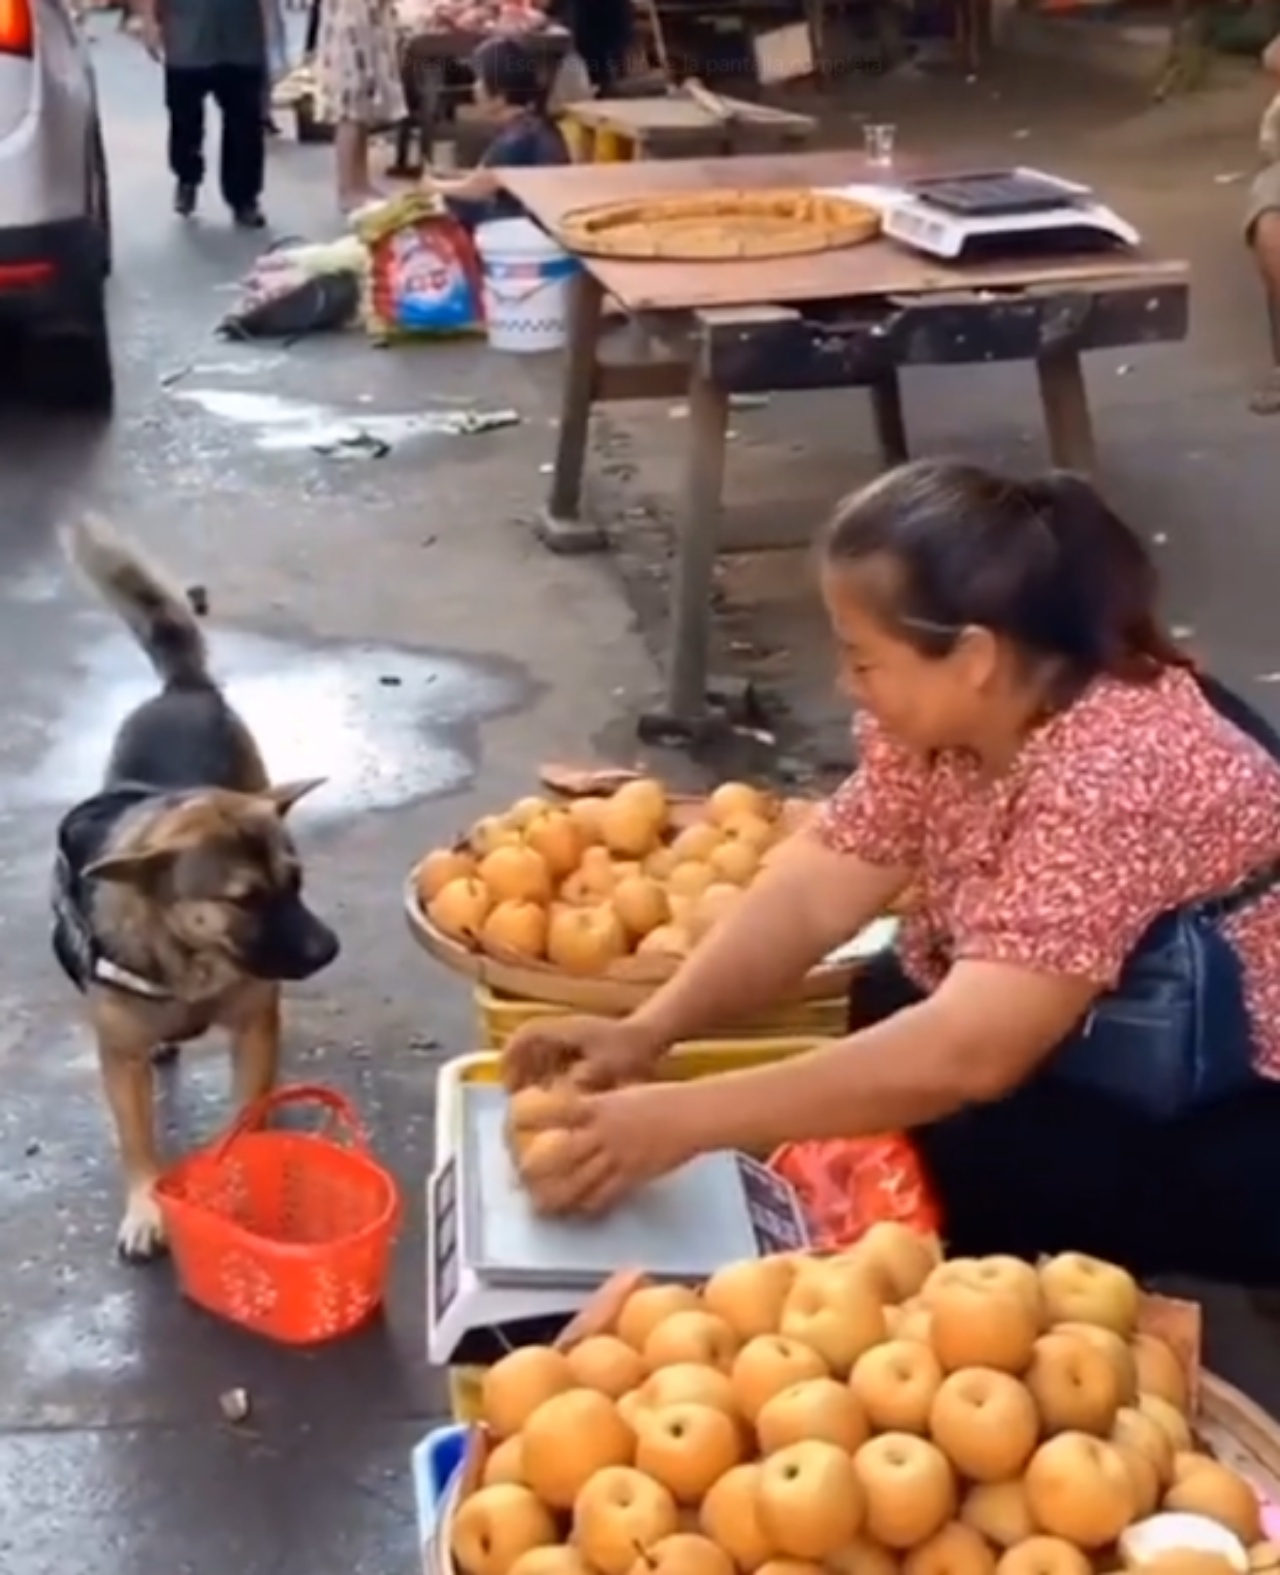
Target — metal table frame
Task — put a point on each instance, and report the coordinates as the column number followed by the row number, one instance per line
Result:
column 715, row 352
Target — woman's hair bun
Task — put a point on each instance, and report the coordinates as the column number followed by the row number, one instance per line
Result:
column 1044, row 562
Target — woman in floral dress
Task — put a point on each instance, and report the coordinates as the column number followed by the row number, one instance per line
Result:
column 358, row 86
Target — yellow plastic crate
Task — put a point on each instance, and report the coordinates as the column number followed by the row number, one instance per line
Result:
column 701, row 1058
column 498, row 1016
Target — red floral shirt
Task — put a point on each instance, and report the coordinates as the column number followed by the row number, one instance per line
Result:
column 1136, row 799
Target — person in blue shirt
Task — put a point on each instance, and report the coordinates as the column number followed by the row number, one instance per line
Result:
column 509, row 90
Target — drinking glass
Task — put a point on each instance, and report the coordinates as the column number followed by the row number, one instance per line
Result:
column 877, row 141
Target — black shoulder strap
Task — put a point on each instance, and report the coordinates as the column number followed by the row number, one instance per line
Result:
column 1232, row 708
column 1235, row 709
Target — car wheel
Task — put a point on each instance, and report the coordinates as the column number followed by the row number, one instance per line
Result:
column 72, row 366
column 100, row 196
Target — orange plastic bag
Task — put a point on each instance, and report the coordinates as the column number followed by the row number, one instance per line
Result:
column 847, row 1185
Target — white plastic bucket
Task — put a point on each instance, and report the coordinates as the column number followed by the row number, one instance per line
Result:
column 526, row 286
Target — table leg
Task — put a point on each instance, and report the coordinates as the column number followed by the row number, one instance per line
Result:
column 560, row 526
column 698, row 537
column 1066, row 411
column 891, row 423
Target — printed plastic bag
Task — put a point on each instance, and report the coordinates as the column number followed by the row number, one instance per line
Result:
column 295, row 289
column 423, row 276
column 847, row 1185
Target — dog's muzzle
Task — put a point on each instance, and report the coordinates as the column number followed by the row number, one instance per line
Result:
column 291, row 943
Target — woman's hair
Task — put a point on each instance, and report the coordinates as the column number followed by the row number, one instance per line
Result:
column 508, row 70
column 1043, row 563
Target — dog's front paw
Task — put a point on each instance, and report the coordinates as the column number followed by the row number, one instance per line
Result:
column 141, row 1234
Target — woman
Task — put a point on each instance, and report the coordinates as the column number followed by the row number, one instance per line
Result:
column 509, row 93
column 1040, row 766
column 358, row 87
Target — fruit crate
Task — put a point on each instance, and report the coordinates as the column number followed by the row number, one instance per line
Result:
column 700, row 1058
column 498, row 1016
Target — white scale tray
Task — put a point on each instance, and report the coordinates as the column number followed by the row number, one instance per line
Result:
column 926, row 227
column 492, row 1261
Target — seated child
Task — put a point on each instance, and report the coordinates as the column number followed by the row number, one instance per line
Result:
column 509, row 91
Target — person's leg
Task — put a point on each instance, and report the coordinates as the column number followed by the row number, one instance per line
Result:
column 1234, row 1230
column 238, row 91
column 1262, row 234
column 312, row 43
column 184, row 92
column 1053, row 1168
column 351, row 158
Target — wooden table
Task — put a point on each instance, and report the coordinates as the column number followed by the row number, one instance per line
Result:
column 843, row 319
column 676, row 126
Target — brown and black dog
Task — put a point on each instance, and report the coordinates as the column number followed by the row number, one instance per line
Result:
column 178, row 892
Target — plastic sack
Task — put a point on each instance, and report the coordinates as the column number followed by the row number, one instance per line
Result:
column 847, row 1185
column 423, row 275
column 295, row 289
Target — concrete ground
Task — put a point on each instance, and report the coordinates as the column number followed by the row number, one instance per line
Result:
column 388, row 624
column 391, row 624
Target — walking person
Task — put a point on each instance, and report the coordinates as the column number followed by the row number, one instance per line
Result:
column 213, row 49
column 358, row 87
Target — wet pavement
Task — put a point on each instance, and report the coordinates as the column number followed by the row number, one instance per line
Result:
column 379, row 612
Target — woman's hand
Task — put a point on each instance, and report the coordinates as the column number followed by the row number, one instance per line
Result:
column 602, row 1052
column 603, row 1148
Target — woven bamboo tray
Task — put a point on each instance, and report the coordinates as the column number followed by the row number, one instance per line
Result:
column 720, row 226
column 625, row 985
column 1238, row 1432
column 1241, row 1434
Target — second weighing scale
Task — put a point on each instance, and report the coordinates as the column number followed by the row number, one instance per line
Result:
column 985, row 214
column 499, row 1275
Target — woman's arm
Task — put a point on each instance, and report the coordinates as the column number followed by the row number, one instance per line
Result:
column 475, row 186
column 979, row 1035
column 808, row 900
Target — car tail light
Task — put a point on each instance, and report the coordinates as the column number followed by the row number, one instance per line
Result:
column 17, row 29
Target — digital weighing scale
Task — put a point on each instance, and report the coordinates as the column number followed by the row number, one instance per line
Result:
column 987, row 214
column 499, row 1276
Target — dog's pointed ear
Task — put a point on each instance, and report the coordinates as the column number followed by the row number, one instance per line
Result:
column 283, row 798
column 131, row 869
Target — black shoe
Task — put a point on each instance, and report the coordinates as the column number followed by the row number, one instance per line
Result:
column 184, row 198
column 250, row 217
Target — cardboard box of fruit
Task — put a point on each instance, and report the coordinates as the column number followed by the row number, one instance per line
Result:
column 877, row 1412
column 592, row 900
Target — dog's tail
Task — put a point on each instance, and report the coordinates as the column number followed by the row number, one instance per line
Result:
column 157, row 612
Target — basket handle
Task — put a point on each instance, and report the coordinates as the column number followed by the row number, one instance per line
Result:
column 343, row 1120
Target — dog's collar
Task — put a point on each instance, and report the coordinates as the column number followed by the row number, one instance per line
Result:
column 79, row 949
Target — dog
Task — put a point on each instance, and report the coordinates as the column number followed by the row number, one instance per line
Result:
column 177, row 894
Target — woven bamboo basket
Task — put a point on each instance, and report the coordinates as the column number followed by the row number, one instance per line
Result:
column 624, row 986
column 1239, row 1432
column 627, row 983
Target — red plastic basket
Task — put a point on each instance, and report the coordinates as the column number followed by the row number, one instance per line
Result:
column 287, row 1233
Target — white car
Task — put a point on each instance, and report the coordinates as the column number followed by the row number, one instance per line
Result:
column 55, row 223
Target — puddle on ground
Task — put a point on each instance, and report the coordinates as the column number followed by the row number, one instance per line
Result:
column 284, row 425
column 384, row 725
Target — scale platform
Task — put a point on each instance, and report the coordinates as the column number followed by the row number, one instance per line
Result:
column 499, row 1276
column 985, row 215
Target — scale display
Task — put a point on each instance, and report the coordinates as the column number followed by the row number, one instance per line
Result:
column 987, row 194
